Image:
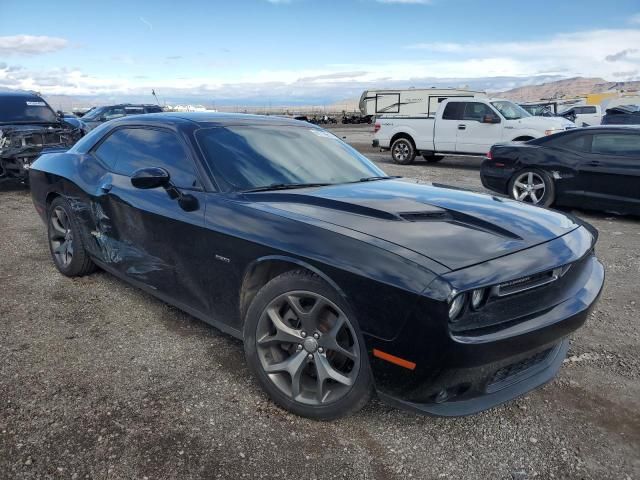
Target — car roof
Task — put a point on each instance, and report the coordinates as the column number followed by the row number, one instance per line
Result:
column 18, row 93
column 209, row 119
column 595, row 128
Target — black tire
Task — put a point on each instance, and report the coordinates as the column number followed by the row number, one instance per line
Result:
column 296, row 284
column 430, row 158
column 403, row 152
column 535, row 177
column 78, row 263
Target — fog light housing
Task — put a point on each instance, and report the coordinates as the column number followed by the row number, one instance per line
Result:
column 455, row 308
column 477, row 298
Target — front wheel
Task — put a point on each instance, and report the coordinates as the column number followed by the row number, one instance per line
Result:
column 403, row 151
column 532, row 186
column 305, row 348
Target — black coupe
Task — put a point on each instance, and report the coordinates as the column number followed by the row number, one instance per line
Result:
column 595, row 167
column 341, row 280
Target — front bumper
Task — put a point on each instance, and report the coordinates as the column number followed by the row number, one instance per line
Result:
column 529, row 373
column 464, row 372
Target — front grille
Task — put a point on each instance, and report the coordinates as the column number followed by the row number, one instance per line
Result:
column 522, row 299
column 513, row 370
column 529, row 282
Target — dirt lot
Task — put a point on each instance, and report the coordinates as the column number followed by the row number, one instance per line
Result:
column 99, row 380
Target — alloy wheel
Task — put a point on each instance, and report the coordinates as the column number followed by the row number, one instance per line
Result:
column 61, row 237
column 308, row 348
column 401, row 151
column 529, row 187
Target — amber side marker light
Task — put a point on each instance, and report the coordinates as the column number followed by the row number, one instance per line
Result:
column 393, row 359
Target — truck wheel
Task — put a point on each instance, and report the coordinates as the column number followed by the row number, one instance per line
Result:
column 431, row 158
column 533, row 186
column 403, row 151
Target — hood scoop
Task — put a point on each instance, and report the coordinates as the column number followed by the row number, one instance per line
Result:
column 459, row 218
column 432, row 216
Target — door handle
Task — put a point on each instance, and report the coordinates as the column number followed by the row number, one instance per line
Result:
column 462, row 127
column 594, row 163
column 106, row 187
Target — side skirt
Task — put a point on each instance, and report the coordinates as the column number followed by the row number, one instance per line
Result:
column 223, row 327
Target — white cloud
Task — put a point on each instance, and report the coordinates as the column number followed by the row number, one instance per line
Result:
column 581, row 53
column 611, row 54
column 30, row 44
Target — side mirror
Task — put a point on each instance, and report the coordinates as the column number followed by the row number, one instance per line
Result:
column 490, row 119
column 153, row 177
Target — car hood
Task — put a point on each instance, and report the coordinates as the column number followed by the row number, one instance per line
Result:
column 453, row 227
column 546, row 123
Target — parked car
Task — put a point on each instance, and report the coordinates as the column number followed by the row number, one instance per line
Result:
column 338, row 278
column 461, row 126
column 584, row 115
column 73, row 120
column 595, row 167
column 622, row 115
column 98, row 115
column 541, row 109
column 28, row 126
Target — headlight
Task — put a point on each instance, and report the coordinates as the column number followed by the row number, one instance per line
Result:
column 456, row 306
column 477, row 297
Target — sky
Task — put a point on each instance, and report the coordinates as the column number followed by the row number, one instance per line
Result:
column 309, row 51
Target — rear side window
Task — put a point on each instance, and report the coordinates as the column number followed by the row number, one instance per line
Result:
column 588, row 110
column 476, row 111
column 627, row 145
column 114, row 146
column 129, row 149
column 580, row 143
column 454, row 111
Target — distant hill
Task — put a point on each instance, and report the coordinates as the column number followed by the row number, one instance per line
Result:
column 570, row 87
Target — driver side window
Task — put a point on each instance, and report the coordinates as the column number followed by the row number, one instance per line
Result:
column 129, row 149
column 476, row 111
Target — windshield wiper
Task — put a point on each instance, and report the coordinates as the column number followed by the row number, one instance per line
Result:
column 373, row 179
column 284, row 186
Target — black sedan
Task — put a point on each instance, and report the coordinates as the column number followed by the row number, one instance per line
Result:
column 341, row 280
column 596, row 168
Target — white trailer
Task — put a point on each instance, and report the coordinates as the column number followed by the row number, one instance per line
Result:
column 412, row 102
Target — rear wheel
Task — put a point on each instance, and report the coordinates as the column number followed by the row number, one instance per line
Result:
column 304, row 345
column 403, row 151
column 533, row 186
column 65, row 241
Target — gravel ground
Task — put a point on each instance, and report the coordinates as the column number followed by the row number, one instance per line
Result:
column 100, row 380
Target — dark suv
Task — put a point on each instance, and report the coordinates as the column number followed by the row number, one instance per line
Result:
column 99, row 115
column 28, row 126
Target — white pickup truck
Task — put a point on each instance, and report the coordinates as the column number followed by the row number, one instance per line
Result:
column 461, row 127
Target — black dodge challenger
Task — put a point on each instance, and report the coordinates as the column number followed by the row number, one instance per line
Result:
column 595, row 167
column 340, row 280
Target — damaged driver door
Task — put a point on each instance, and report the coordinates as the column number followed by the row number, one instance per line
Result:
column 148, row 232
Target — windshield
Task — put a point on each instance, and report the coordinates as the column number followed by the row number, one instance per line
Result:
column 510, row 110
column 248, row 157
column 94, row 114
column 25, row 109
